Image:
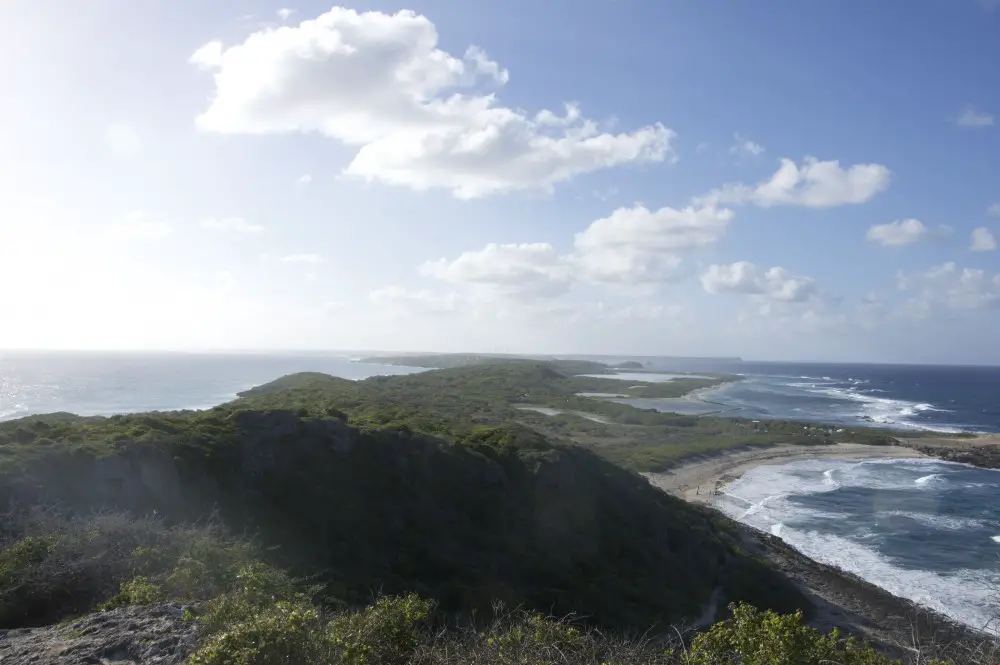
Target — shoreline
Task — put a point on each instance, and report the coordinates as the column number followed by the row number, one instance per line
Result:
column 698, row 480
column 840, row 599
column 698, row 394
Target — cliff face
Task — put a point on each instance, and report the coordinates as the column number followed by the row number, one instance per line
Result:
column 554, row 528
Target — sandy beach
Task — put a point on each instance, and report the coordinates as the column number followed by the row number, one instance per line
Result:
column 699, row 394
column 696, row 480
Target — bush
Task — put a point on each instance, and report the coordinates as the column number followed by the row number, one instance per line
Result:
column 752, row 637
column 256, row 589
column 53, row 565
column 266, row 621
column 283, row 634
column 387, row 633
column 137, row 591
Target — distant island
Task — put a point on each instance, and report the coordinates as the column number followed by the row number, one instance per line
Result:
column 570, row 364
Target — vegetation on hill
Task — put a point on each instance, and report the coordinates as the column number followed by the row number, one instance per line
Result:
column 497, row 512
column 453, row 402
column 453, row 360
column 244, row 611
column 434, row 489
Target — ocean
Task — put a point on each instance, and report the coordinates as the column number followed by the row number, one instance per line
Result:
column 921, row 529
column 935, row 398
column 112, row 383
column 925, row 530
column 902, row 397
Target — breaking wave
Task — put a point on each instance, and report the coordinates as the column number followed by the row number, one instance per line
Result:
column 921, row 529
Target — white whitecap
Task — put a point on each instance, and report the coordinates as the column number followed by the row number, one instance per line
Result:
column 926, row 480
column 940, row 522
column 765, row 498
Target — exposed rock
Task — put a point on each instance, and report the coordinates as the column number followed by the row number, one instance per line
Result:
column 138, row 635
column 986, row 457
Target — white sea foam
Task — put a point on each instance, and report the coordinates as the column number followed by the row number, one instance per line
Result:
column 929, row 479
column 940, row 522
column 964, row 595
column 765, row 497
column 829, row 479
column 887, row 411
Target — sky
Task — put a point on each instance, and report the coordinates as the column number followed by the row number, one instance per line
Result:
column 770, row 180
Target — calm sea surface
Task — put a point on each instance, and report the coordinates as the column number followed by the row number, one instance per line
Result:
column 105, row 384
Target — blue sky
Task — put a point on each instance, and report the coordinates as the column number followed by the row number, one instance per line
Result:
column 769, row 180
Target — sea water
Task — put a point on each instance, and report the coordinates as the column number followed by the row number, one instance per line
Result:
column 112, row 383
column 921, row 529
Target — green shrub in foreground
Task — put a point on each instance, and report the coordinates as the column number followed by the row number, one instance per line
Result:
column 246, row 630
column 137, row 591
column 752, row 637
column 386, row 633
column 394, row 631
column 282, row 634
column 54, row 565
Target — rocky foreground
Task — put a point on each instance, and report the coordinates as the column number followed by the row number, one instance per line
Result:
column 154, row 634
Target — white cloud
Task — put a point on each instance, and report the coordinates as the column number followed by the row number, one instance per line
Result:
column 638, row 245
column 379, row 83
column 632, row 246
column 233, row 224
column 515, row 269
column 140, row 225
column 304, row 180
column 310, row 259
column 285, row 13
column 973, row 117
column 815, row 184
column 994, row 210
column 983, row 240
column 899, row 232
column 124, row 140
column 950, row 286
column 397, row 300
column 743, row 277
column 208, row 56
column 745, row 146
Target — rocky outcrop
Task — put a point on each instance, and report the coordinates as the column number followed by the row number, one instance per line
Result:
column 986, row 457
column 136, row 635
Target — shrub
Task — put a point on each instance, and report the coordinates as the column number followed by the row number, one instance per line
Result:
column 386, row 633
column 282, row 634
column 753, row 637
column 23, row 554
column 257, row 588
column 137, row 591
column 54, row 565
